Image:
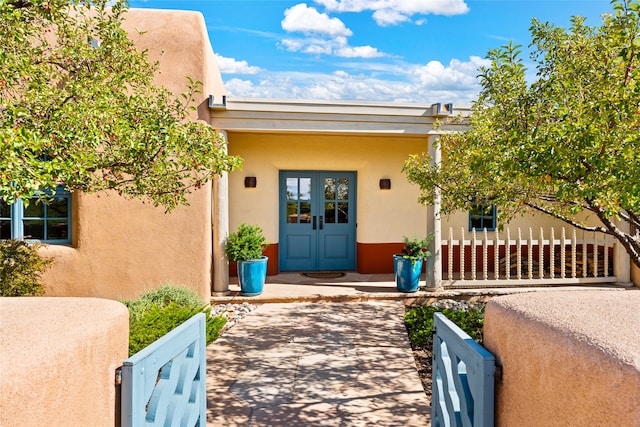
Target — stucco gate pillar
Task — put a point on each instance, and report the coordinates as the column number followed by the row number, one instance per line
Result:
column 434, row 262
column 220, row 225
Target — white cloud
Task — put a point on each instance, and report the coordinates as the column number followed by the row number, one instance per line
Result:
column 435, row 75
column 323, row 35
column 307, row 20
column 393, row 12
column 358, row 52
column 405, row 83
column 338, row 46
column 232, row 66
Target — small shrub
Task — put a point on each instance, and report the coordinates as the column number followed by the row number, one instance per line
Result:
column 245, row 244
column 158, row 321
column 419, row 322
column 415, row 248
column 21, row 268
column 161, row 297
column 159, row 311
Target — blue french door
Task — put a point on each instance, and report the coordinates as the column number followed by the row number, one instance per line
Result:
column 317, row 221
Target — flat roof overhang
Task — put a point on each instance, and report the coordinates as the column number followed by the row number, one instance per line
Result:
column 331, row 117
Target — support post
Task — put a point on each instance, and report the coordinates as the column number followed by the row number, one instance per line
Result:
column 434, row 262
column 621, row 258
column 220, row 225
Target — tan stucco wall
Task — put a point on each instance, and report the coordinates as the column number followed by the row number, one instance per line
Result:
column 382, row 216
column 58, row 358
column 568, row 358
column 124, row 247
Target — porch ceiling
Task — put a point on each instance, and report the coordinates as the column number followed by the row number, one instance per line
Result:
column 303, row 116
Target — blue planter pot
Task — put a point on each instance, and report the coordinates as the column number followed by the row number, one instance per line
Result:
column 251, row 275
column 407, row 272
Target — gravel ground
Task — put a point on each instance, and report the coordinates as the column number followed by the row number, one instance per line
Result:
column 424, row 356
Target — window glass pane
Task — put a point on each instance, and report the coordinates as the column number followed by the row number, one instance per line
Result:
column 5, row 229
column 305, row 188
column 292, row 213
column 481, row 217
column 343, row 213
column 5, row 210
column 57, row 230
column 34, row 229
column 57, row 208
column 330, row 213
column 34, row 210
column 305, row 212
column 343, row 189
column 476, row 222
column 292, row 188
column 329, row 189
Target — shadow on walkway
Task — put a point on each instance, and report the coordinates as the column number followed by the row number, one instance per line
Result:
column 316, row 364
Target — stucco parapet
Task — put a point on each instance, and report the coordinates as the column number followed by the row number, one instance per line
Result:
column 604, row 321
column 58, row 360
column 30, row 324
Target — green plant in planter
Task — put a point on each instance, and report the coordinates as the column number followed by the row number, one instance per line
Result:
column 415, row 248
column 246, row 243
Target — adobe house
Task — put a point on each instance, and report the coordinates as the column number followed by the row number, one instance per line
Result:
column 322, row 178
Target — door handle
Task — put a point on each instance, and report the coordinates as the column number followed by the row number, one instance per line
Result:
column 320, row 222
column 314, row 222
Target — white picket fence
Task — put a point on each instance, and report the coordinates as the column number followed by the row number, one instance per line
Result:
column 559, row 259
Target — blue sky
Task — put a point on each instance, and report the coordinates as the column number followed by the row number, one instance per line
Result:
column 416, row 51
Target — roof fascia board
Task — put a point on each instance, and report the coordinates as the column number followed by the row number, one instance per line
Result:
column 278, row 115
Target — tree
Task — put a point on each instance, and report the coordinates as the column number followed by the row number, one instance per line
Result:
column 78, row 107
column 565, row 144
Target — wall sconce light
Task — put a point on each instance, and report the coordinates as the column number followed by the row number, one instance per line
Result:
column 385, row 184
column 250, row 182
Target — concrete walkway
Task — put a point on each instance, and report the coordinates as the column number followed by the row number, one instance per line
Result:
column 316, row 364
column 325, row 352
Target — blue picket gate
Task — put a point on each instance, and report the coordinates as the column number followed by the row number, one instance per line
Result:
column 164, row 383
column 463, row 378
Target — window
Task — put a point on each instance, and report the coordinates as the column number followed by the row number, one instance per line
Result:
column 48, row 222
column 482, row 216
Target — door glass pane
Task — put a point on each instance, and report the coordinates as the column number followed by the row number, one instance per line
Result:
column 305, row 188
column 343, row 213
column 329, row 189
column 305, row 212
column 343, row 189
column 330, row 213
column 292, row 188
column 292, row 212
column 34, row 229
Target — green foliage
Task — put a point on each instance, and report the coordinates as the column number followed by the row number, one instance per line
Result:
column 419, row 322
column 246, row 243
column 565, row 144
column 161, row 297
column 158, row 312
column 21, row 268
column 415, row 248
column 74, row 90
